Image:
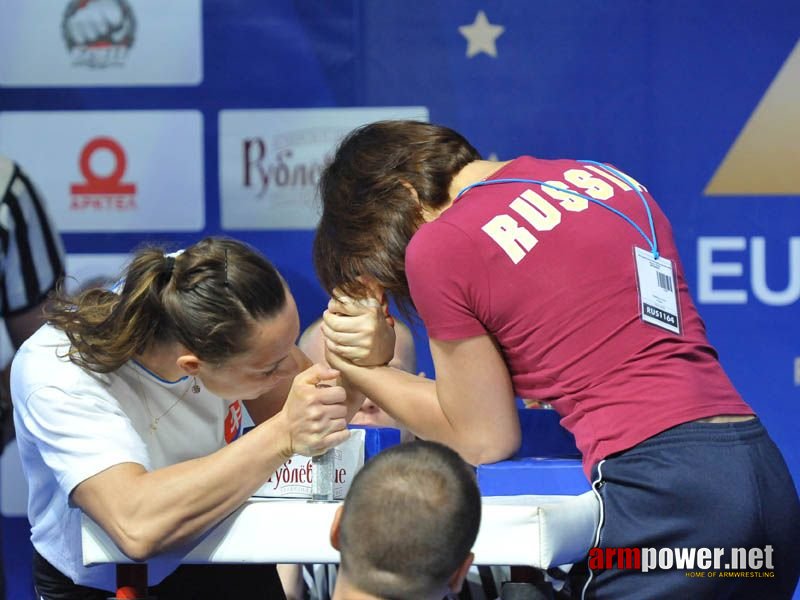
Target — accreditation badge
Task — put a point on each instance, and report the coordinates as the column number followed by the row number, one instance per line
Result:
column 658, row 294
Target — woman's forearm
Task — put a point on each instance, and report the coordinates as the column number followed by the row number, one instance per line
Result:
column 146, row 513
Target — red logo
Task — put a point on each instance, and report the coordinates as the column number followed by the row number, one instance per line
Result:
column 233, row 422
column 103, row 192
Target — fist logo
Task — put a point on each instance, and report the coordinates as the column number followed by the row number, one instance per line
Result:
column 98, row 33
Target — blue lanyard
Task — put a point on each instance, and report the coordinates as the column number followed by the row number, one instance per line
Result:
column 652, row 243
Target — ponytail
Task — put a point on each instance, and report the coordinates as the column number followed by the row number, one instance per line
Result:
column 206, row 298
column 106, row 329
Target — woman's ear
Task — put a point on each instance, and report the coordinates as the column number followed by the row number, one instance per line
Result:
column 411, row 189
column 188, row 363
column 428, row 214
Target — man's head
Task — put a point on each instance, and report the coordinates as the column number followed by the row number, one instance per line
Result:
column 408, row 523
column 312, row 342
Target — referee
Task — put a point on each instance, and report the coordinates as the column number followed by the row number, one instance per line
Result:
column 31, row 264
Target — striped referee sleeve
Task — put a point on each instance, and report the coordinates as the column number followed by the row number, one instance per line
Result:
column 31, row 253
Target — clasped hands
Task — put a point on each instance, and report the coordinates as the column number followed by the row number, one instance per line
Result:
column 358, row 333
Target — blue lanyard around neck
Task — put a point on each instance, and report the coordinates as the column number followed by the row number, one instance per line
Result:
column 653, row 243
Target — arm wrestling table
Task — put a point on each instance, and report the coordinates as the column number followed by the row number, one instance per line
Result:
column 538, row 531
column 536, row 512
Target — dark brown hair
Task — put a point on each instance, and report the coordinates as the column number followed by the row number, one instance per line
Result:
column 368, row 212
column 207, row 298
column 409, row 520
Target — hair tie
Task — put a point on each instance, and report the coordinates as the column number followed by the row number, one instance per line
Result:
column 170, row 265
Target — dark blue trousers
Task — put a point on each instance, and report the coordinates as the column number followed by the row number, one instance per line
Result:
column 699, row 485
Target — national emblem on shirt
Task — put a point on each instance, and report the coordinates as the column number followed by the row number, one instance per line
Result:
column 233, row 422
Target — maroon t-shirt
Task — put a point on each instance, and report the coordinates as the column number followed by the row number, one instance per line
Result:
column 552, row 278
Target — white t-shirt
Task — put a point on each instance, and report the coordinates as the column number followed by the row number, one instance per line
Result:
column 72, row 424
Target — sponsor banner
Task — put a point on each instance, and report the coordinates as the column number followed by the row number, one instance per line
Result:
column 104, row 171
column 293, row 479
column 270, row 161
column 763, row 159
column 734, row 269
column 56, row 43
column 94, row 270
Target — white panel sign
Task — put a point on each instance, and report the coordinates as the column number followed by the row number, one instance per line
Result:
column 295, row 477
column 103, row 171
column 95, row 270
column 47, row 43
column 270, row 161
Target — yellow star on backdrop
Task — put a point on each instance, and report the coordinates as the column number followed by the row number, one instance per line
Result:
column 481, row 36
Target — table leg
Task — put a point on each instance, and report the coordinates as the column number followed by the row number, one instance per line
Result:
column 132, row 582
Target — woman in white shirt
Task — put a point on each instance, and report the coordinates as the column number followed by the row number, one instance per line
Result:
column 128, row 407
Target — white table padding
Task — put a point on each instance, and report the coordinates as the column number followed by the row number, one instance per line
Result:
column 539, row 531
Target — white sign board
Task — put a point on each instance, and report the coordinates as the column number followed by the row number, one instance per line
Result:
column 270, row 160
column 57, row 43
column 105, row 171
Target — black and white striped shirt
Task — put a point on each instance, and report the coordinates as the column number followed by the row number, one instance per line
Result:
column 31, row 254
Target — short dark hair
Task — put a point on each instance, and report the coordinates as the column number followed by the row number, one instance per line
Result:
column 409, row 520
column 368, row 212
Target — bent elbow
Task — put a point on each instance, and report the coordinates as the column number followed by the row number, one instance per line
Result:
column 135, row 551
column 138, row 553
column 136, row 545
column 491, row 451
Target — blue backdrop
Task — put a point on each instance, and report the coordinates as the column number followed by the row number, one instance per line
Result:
column 678, row 94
